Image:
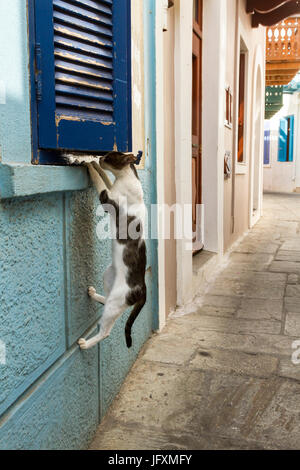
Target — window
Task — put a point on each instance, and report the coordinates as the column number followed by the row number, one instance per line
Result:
column 286, row 139
column 228, row 107
column 267, row 147
column 81, row 76
column 241, row 118
column 198, row 12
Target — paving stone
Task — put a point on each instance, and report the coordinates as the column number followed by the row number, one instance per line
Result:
column 293, row 279
column 261, row 309
column 291, row 245
column 284, row 255
column 160, row 396
column 288, row 369
column 285, row 267
column 278, row 279
column 221, row 301
column 112, row 435
column 190, row 327
column 257, row 247
column 241, row 325
column 278, row 423
column 235, row 361
column 241, row 262
column 292, row 304
column 262, row 285
column 279, row 345
column 198, row 402
column 170, row 349
column 281, row 228
column 293, row 291
column 292, row 324
column 228, row 312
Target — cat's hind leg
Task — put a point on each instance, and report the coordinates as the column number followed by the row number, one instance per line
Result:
column 113, row 309
column 98, row 298
column 108, row 281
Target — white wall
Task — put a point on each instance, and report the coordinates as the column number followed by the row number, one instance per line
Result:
column 284, row 176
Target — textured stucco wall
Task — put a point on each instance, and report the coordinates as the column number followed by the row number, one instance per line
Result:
column 52, row 395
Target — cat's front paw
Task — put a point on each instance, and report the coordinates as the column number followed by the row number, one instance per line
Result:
column 91, row 291
column 82, row 343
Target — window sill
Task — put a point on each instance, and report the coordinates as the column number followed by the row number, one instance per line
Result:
column 19, row 180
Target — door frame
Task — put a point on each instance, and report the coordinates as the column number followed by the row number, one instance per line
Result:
column 213, row 150
column 183, row 140
column 256, row 156
column 197, row 125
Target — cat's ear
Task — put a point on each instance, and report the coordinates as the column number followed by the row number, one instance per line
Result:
column 130, row 158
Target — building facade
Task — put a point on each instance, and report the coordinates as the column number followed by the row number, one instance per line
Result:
column 211, row 66
column 281, row 150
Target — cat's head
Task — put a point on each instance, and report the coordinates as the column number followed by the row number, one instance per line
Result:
column 116, row 162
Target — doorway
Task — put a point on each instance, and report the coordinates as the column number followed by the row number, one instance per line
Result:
column 256, row 166
column 197, row 124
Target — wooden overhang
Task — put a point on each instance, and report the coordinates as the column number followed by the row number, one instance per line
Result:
column 282, row 51
column 271, row 12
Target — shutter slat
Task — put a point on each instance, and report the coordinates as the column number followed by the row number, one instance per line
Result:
column 82, row 115
column 80, row 24
column 89, row 62
column 71, row 68
column 84, row 14
column 84, row 92
column 85, row 37
column 103, row 7
column 82, row 103
column 82, row 81
column 81, row 48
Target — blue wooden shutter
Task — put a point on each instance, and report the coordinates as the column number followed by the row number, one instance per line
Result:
column 291, row 139
column 282, row 143
column 83, row 74
column 267, row 147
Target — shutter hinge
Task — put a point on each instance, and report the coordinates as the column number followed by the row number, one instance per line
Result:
column 38, row 74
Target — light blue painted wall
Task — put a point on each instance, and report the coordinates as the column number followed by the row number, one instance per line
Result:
column 51, row 394
column 15, row 135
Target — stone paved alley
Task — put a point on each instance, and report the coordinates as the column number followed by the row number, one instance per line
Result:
column 222, row 376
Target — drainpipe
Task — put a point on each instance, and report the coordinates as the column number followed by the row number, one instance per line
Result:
column 236, row 114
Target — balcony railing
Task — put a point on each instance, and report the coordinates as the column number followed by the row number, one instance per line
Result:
column 283, row 51
column 283, row 41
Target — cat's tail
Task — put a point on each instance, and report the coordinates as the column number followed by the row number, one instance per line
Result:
column 133, row 316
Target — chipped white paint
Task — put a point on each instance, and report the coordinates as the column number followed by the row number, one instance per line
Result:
column 137, row 96
column 137, row 54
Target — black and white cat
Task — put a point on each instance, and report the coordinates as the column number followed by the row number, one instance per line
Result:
column 124, row 280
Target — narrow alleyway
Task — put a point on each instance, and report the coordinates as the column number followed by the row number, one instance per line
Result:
column 222, row 376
